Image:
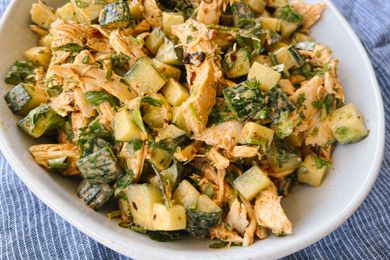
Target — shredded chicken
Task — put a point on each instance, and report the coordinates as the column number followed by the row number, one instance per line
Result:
column 310, row 12
column 221, row 232
column 44, row 152
column 243, row 151
column 210, row 10
column 237, row 217
column 126, row 46
column 217, row 159
column 269, row 212
column 152, row 13
column 188, row 153
column 63, row 104
column 249, row 234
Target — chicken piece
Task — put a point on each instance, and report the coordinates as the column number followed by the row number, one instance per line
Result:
column 269, row 212
column 217, row 159
column 224, row 135
column 261, row 232
column 85, row 108
column 210, row 10
column 320, row 134
column 93, row 75
column 287, row 87
column 331, row 81
column 63, row 104
column 97, row 39
column 44, row 152
column 134, row 160
column 141, row 27
column 152, row 13
column 249, row 234
column 78, row 121
column 311, row 91
column 107, row 114
column 237, row 217
column 244, row 151
column 319, row 56
column 310, row 12
column 67, row 32
column 188, row 153
column 203, row 72
column 38, row 30
column 221, row 232
column 126, row 46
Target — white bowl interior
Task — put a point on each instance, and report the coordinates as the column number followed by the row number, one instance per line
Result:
column 314, row 211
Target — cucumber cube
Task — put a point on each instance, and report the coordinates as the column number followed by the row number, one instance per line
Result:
column 266, row 75
column 313, row 170
column 125, row 130
column 251, row 182
column 175, row 93
column 168, row 219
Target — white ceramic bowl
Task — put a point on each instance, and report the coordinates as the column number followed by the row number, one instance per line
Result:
column 315, row 212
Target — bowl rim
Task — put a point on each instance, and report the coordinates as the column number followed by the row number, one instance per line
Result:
column 287, row 248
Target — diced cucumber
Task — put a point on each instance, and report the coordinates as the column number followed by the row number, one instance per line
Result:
column 169, row 132
column 168, row 53
column 178, row 119
column 300, row 37
column 253, row 133
column 150, row 84
column 168, row 219
column 142, row 198
column 88, row 9
column 175, row 93
column 262, row 59
column 161, row 158
column 313, row 170
column 347, row 124
column 256, row 5
column 42, row 14
column 277, row 3
column 100, row 165
column 170, row 19
column 46, row 41
column 272, row 24
column 67, row 13
column 288, row 14
column 204, row 216
column 288, row 56
column 251, row 182
column 152, row 117
column 186, row 194
column 154, row 40
column 286, row 29
column 125, row 129
column 115, row 15
column 94, row 193
column 237, row 63
column 166, row 70
column 25, row 97
column 295, row 140
column 283, row 158
column 266, row 75
column 241, row 14
column 40, row 56
column 281, row 68
column 40, row 120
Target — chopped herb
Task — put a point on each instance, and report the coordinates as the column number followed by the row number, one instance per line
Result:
column 152, row 101
column 208, row 190
column 98, row 97
column 320, row 163
column 59, row 163
column 71, row 47
column 85, row 60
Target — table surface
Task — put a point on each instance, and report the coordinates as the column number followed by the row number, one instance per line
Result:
column 30, row 230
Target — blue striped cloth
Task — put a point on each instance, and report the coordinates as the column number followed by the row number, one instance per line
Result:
column 30, row 230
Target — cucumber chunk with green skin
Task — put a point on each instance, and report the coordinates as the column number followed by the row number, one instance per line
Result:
column 20, row 72
column 236, row 63
column 265, row 75
column 154, row 40
column 115, row 15
column 24, row 97
column 58, row 163
column 150, row 84
column 169, row 53
column 253, row 133
column 271, row 23
column 256, row 5
column 242, row 14
column 313, row 170
column 161, row 158
column 175, row 93
column 170, row 19
column 125, row 129
column 94, row 193
column 205, row 215
column 289, row 56
column 168, row 219
column 186, row 194
column 40, row 121
column 166, row 70
column 251, row 183
column 283, row 158
column 347, row 124
column 245, row 99
column 141, row 199
column 88, row 10
column 100, row 165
